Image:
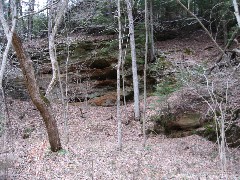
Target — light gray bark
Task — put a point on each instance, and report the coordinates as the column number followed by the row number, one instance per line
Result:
column 52, row 49
column 235, row 5
column 119, row 120
column 9, row 33
column 134, row 60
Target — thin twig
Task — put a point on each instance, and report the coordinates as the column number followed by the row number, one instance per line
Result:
column 41, row 10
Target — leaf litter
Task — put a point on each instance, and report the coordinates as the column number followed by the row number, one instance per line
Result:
column 91, row 152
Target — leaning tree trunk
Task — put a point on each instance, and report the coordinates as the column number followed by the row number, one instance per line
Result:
column 134, row 60
column 39, row 101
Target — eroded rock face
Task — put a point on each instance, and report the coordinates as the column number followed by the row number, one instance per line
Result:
column 184, row 112
column 185, row 122
column 171, row 124
column 232, row 133
column 91, row 73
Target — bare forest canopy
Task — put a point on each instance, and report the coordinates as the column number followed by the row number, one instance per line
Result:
column 89, row 15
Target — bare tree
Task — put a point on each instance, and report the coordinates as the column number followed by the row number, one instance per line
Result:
column 42, row 104
column 145, row 74
column 219, row 109
column 118, row 76
column 50, row 13
column 3, row 105
column 134, row 60
column 235, row 5
column 152, row 47
column 9, row 33
column 62, row 5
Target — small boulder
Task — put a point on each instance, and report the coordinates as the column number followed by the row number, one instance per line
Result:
column 185, row 122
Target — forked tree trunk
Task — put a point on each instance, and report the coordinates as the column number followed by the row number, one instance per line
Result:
column 39, row 101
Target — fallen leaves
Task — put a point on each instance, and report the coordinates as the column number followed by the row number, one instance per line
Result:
column 92, row 149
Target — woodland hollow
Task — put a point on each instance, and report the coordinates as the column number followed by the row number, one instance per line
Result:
column 117, row 89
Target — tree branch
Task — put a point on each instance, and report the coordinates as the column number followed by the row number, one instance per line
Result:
column 41, row 10
column 205, row 29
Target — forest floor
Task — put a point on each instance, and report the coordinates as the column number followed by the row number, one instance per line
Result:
column 92, row 153
column 89, row 143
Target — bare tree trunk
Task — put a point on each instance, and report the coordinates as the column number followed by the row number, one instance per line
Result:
column 53, row 58
column 30, row 18
column 119, row 120
column 134, row 61
column 9, row 33
column 66, row 97
column 145, row 74
column 52, row 49
column 42, row 104
column 152, row 47
column 3, row 107
column 189, row 2
column 235, row 5
column 50, row 16
column 123, row 75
